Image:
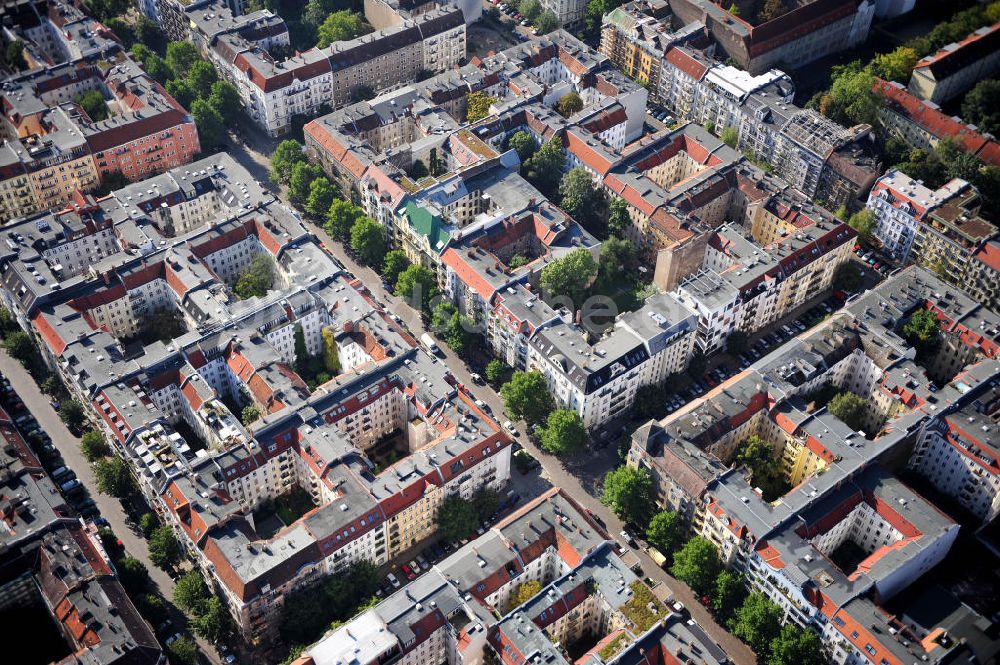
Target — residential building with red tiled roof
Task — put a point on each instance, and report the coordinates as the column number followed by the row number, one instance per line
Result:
column 839, row 537
column 956, row 68
column 922, row 124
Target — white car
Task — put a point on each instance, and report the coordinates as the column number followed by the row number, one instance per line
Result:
column 509, row 426
column 393, row 581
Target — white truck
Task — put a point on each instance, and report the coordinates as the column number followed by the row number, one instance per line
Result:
column 429, row 343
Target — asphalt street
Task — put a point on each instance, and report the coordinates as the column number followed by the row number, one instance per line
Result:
column 555, row 470
column 69, row 447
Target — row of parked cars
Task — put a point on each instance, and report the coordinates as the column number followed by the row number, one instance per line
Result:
column 879, row 263
column 782, row 333
column 439, row 550
column 511, row 10
column 65, row 479
column 662, row 116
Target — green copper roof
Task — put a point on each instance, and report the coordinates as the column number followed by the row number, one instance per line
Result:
column 428, row 225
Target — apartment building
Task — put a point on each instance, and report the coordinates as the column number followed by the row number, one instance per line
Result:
column 930, row 227
column 983, row 275
column 275, row 91
column 824, row 160
column 837, row 497
column 922, row 124
column 460, row 610
column 956, row 68
column 753, row 276
column 809, row 31
column 58, row 581
column 52, row 148
column 377, row 444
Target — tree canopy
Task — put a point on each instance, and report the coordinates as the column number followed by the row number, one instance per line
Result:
column 288, row 153
column 210, row 123
column 368, row 240
column 726, row 594
column 580, row 197
column 697, row 564
column 897, row 65
column 113, row 477
column 563, row 432
column 93, row 446
column 849, row 408
column 618, row 219
column 394, row 263
column 524, row 144
column 180, row 56
column 456, row 518
column 340, row 26
column 981, row 106
column 477, row 105
column 257, row 279
column 665, row 532
column 544, row 168
column 526, row 396
column 796, row 646
column 863, row 222
column 321, row 196
column 417, row 285
column 922, row 329
column 546, row 22
column 164, row 550
column 340, row 219
column 71, row 412
column 757, row 622
column 530, row 9
column 570, row 276
column 628, row 493
column 569, row 103
column 93, row 103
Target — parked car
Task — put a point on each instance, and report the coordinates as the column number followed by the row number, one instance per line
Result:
column 475, row 378
column 509, row 426
column 405, row 569
column 627, row 538
column 70, row 486
column 393, row 580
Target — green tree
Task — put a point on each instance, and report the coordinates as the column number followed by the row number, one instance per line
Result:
column 757, row 622
column 368, row 240
column 496, row 370
column 665, row 532
column 180, row 56
column 164, row 550
column 183, row 651
column 863, row 222
column 618, row 259
column 433, row 163
column 394, row 263
column 730, row 136
column 148, row 523
column 456, row 518
column 133, row 575
column 200, row 78
column 851, row 98
column 849, row 408
column 21, row 348
column 288, row 153
column 530, row 9
column 212, row 620
column 152, row 608
column 628, row 493
column 93, row 103
column 340, row 219
column 897, row 65
column 190, row 591
column 734, row 10
column 618, row 219
column 477, row 106
column 796, row 646
column 546, row 22
column 249, row 414
column 526, row 396
column 458, row 334
column 570, row 276
column 545, row 167
column 257, row 279
column 181, row 91
column 300, row 184
column 226, row 101
column 726, row 594
column 13, row 55
column 417, row 285
column 331, row 353
column 569, row 104
column 579, row 197
column 341, row 26
column 8, row 323
column 524, row 144
column 922, row 329
column 302, row 356
column 981, row 106
column 93, row 446
column 697, row 564
column 486, row 502
column 211, row 126
column 441, row 316
column 71, row 412
column 563, row 433
column 525, row 592
column 113, row 477
column 321, row 196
